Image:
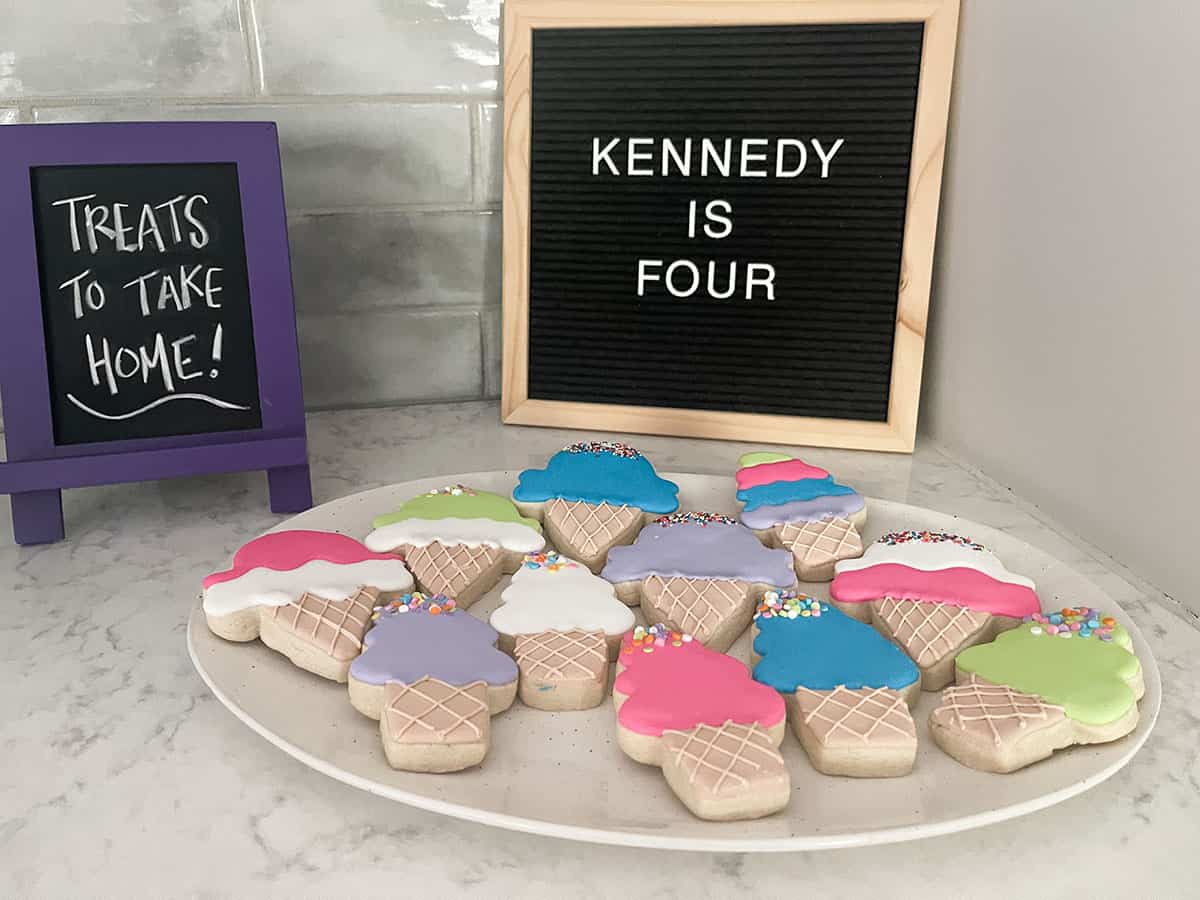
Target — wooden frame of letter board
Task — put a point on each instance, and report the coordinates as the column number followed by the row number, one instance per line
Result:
column 940, row 18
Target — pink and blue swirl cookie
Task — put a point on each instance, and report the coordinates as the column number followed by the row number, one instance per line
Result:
column 799, row 507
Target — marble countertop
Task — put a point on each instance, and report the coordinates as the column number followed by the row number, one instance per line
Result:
column 122, row 776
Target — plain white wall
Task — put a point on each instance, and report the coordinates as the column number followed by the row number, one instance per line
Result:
column 1064, row 325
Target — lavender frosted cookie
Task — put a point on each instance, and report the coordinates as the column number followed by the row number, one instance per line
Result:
column 433, row 677
column 699, row 573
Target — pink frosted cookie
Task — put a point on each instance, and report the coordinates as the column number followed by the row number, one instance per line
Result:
column 698, row 714
column 307, row 594
column 935, row 594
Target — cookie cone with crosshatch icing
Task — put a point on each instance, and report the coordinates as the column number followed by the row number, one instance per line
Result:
column 698, row 714
column 432, row 676
column 1061, row 678
column 934, row 594
column 799, row 507
column 306, row 594
column 457, row 541
column 562, row 624
column 698, row 572
column 847, row 688
column 593, row 496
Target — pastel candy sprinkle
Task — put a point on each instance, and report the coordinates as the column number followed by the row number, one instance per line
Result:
column 456, row 490
column 788, row 605
column 894, row 538
column 612, row 448
column 653, row 636
column 435, row 605
column 549, row 560
column 694, row 518
column 1082, row 622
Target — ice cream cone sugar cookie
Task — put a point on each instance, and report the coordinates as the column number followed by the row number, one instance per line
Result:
column 457, row 541
column 848, row 689
column 933, row 593
column 698, row 572
column 1060, row 678
column 801, row 508
column 698, row 714
column 563, row 624
column 433, row 677
column 593, row 496
column 306, row 594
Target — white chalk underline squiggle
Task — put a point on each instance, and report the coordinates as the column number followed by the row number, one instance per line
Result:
column 224, row 404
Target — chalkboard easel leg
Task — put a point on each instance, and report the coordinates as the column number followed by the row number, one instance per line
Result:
column 37, row 517
column 290, row 488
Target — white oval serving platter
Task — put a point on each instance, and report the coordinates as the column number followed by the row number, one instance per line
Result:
column 562, row 774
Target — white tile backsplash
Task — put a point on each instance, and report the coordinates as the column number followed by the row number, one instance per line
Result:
column 379, row 46
column 338, row 155
column 389, row 126
column 349, row 261
column 107, row 47
column 390, row 356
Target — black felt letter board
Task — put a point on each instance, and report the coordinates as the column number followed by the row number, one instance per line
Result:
column 812, row 334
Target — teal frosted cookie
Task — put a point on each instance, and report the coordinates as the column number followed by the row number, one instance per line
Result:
column 847, row 687
column 593, row 496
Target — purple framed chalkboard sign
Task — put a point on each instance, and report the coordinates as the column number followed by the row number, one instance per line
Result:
column 147, row 327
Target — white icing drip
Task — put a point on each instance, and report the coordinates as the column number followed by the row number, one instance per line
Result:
column 542, row 600
column 472, row 532
column 932, row 557
column 324, row 579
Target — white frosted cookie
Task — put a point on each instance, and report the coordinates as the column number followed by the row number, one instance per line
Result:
column 562, row 624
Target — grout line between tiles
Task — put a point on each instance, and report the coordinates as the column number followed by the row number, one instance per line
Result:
column 254, row 98
column 258, row 83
